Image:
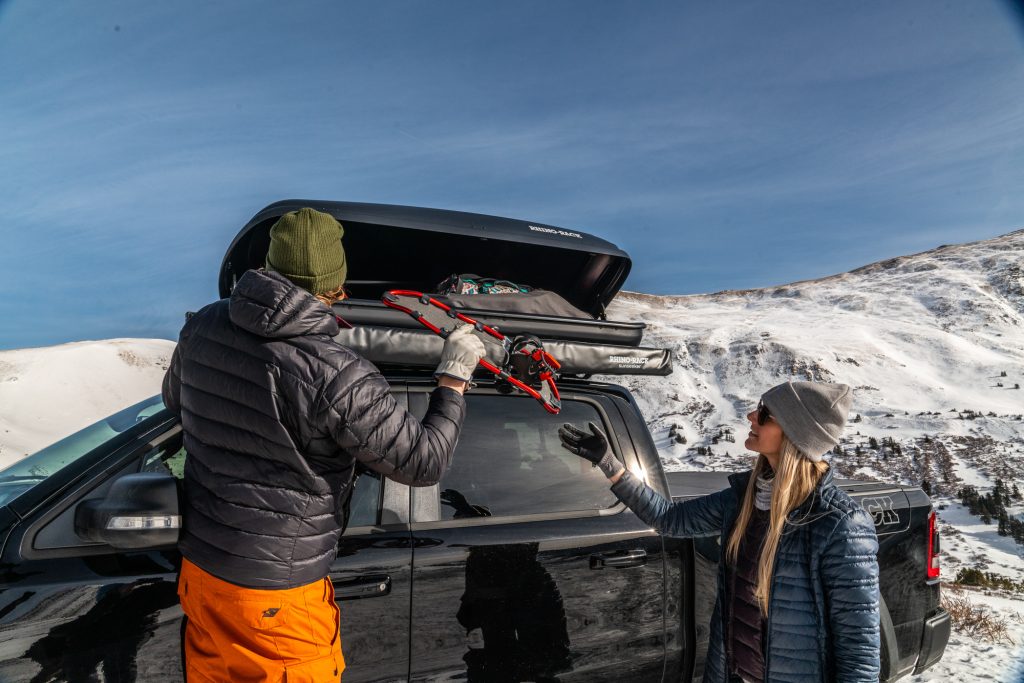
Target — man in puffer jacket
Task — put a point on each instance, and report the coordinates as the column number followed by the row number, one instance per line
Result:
column 276, row 415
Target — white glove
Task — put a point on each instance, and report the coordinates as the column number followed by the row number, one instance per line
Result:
column 462, row 351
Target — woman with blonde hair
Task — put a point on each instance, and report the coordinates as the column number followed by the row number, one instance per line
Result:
column 798, row 579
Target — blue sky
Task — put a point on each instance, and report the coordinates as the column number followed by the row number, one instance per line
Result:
column 723, row 145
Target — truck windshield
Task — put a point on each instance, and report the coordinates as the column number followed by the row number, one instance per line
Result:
column 35, row 468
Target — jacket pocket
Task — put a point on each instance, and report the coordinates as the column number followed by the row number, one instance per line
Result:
column 183, row 597
column 262, row 615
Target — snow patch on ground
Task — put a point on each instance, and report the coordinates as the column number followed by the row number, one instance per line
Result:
column 969, row 659
column 49, row 393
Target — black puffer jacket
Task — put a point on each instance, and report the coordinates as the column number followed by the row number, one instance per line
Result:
column 275, row 414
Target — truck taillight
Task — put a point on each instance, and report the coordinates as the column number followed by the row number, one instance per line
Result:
column 933, row 546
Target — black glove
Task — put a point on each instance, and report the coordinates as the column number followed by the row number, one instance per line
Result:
column 593, row 447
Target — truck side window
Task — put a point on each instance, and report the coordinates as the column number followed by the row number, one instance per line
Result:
column 168, row 457
column 509, row 462
column 364, row 508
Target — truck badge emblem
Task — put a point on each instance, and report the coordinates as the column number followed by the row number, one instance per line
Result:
column 881, row 510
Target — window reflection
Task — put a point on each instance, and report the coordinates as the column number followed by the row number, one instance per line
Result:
column 509, row 462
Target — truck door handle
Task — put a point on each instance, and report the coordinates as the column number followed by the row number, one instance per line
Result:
column 618, row 559
column 370, row 586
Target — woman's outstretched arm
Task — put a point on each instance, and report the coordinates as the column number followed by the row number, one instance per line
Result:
column 702, row 516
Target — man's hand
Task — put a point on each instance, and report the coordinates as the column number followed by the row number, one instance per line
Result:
column 593, row 447
column 462, row 351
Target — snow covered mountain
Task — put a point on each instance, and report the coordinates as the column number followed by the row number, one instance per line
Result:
column 938, row 332
column 932, row 343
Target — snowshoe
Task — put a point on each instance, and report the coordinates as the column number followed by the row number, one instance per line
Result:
column 526, row 366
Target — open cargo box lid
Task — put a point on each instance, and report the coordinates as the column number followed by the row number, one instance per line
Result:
column 404, row 247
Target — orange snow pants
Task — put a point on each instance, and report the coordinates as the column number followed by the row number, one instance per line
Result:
column 246, row 635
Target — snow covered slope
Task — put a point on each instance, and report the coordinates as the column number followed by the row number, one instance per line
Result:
column 49, row 393
column 937, row 332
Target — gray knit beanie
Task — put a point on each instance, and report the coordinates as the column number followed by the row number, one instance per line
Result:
column 812, row 414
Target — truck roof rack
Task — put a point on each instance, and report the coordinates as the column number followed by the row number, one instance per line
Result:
column 410, row 349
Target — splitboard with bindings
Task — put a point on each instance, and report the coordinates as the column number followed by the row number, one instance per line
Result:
column 526, row 366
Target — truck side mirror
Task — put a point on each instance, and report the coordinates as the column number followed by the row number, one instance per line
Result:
column 140, row 511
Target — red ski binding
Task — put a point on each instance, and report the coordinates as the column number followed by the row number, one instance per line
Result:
column 527, row 366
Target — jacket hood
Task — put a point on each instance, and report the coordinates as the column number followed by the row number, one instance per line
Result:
column 270, row 305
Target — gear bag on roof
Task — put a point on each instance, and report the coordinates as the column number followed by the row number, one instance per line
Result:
column 477, row 293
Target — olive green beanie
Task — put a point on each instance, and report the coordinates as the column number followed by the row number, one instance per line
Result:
column 305, row 247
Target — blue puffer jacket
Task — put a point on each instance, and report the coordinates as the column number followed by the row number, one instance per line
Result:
column 823, row 619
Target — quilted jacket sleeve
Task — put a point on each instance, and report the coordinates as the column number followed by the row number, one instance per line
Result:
column 702, row 516
column 849, row 571
column 364, row 418
column 170, row 389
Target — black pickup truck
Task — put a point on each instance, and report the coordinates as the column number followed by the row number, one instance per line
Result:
column 519, row 566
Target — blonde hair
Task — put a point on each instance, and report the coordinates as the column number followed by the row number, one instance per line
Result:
column 332, row 297
column 795, row 479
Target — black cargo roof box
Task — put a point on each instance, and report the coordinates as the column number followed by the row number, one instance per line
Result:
column 404, row 247
column 401, row 247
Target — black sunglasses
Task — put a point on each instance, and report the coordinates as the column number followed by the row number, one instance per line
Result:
column 763, row 414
